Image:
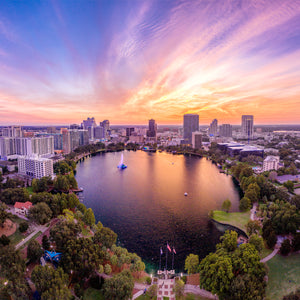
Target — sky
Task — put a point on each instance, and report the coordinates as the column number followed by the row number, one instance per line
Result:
column 129, row 61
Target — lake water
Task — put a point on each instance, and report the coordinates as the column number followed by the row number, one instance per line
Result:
column 145, row 203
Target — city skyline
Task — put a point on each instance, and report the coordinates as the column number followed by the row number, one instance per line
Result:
column 131, row 61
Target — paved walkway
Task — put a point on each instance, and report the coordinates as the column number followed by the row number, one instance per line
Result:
column 253, row 209
column 195, row 289
column 270, row 255
column 37, row 229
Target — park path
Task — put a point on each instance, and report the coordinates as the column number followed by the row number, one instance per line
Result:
column 275, row 251
column 195, row 289
column 253, row 209
column 37, row 229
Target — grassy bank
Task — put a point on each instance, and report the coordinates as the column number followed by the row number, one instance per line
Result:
column 237, row 219
column 284, row 275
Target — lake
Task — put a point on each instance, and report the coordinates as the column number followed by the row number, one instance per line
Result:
column 146, row 206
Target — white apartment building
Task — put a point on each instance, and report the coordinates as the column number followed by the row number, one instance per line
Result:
column 271, row 163
column 35, row 166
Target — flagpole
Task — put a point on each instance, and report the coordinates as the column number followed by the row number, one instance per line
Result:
column 159, row 258
column 166, row 256
column 173, row 259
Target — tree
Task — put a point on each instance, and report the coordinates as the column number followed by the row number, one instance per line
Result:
column 253, row 226
column 179, row 289
column 82, row 257
column 228, row 241
column 119, row 287
column 89, row 217
column 286, row 247
column 34, row 251
column 105, row 236
column 62, row 232
column 12, row 268
column 152, row 291
column 271, row 240
column 252, row 195
column 289, row 185
column 3, row 214
column 273, row 175
column 296, row 242
column 107, row 269
column 257, row 242
column 245, row 204
column 40, row 213
column 226, row 205
column 4, row 240
column 192, row 264
column 23, row 226
column 61, row 183
column 45, row 242
column 234, row 275
column 51, row 283
column 296, row 201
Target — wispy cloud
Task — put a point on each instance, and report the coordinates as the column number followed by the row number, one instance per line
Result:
column 130, row 61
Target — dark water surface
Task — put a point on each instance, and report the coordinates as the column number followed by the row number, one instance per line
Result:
column 145, row 203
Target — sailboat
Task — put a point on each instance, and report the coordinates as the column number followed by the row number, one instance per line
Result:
column 121, row 165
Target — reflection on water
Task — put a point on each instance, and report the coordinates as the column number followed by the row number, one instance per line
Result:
column 145, row 203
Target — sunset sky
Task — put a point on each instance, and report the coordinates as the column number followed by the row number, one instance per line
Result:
column 129, row 61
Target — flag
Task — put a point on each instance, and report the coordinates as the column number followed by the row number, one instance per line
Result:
column 161, row 251
column 169, row 248
column 174, row 250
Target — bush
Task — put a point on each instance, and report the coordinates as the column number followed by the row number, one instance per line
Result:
column 148, row 280
column 245, row 204
column 4, row 240
column 271, row 240
column 286, row 247
column 23, row 226
column 296, row 242
column 78, row 290
column 184, row 279
column 107, row 269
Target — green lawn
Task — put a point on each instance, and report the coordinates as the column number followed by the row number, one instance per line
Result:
column 17, row 236
column 284, row 275
column 237, row 219
column 30, row 190
column 92, row 294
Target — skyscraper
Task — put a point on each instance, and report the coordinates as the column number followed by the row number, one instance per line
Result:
column 196, row 140
column 106, row 128
column 151, row 132
column 190, row 124
column 213, row 128
column 247, row 126
column 225, row 130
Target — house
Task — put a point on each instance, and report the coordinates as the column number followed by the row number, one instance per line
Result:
column 22, row 208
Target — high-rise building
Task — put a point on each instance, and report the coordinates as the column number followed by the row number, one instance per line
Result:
column 66, row 140
column 35, row 166
column 74, row 139
column 89, row 122
column 7, row 147
column 190, row 124
column 225, row 130
column 58, row 141
column 129, row 131
column 247, row 126
column 196, row 140
column 213, row 127
column 105, row 125
column 271, row 163
column 151, row 132
column 84, row 137
column 12, row 131
column 99, row 133
column 74, row 126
